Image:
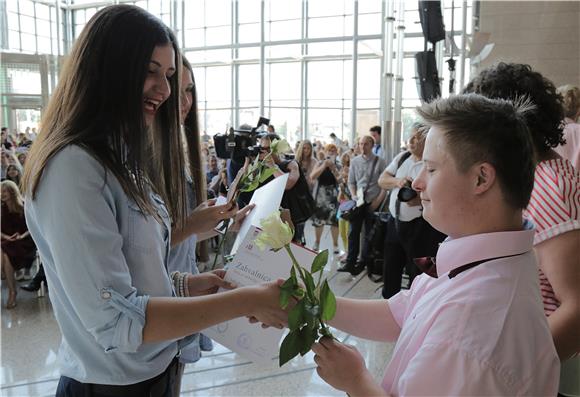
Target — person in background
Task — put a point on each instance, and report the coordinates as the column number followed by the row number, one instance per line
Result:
column 13, row 174
column 554, row 207
column 271, row 129
column 102, row 202
column 306, row 161
column 571, row 149
column 407, row 235
column 22, row 158
column 327, row 175
column 363, row 176
column 18, row 249
column 375, row 132
column 473, row 324
column 212, row 168
column 6, row 144
column 343, row 195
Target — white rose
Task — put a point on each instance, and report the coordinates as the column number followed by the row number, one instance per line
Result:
column 280, row 146
column 275, row 232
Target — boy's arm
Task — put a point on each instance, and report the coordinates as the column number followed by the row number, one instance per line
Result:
column 368, row 319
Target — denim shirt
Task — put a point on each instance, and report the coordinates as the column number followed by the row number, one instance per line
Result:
column 103, row 259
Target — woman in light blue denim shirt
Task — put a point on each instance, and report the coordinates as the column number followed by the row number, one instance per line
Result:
column 104, row 185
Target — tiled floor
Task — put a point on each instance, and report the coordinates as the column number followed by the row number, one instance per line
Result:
column 30, row 339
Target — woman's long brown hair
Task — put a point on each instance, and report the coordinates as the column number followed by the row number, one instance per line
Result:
column 193, row 139
column 98, row 105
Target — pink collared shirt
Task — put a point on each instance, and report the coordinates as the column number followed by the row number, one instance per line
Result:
column 480, row 333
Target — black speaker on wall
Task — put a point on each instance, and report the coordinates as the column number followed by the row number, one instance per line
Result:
column 428, row 85
column 432, row 20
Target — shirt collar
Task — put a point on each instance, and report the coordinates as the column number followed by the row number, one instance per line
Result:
column 453, row 253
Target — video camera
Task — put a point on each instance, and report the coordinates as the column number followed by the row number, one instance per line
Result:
column 239, row 144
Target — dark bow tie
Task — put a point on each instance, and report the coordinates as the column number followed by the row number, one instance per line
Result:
column 428, row 265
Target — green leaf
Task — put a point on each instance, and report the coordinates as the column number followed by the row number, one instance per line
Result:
column 265, row 174
column 309, row 281
column 306, row 340
column 328, row 302
column 284, row 298
column 251, row 187
column 319, row 262
column 291, row 347
column 296, row 316
column 293, row 275
column 298, row 292
column 312, row 310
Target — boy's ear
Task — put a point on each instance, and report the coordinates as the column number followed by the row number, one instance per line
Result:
column 485, row 177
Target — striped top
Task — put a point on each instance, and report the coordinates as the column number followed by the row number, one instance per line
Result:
column 554, row 208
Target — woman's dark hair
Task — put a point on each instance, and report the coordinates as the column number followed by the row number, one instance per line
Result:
column 98, row 105
column 193, row 141
column 513, row 80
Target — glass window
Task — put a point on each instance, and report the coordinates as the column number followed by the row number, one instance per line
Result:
column 28, row 42
column 284, row 51
column 218, row 84
column 218, row 35
column 370, row 23
column 368, row 79
column 287, row 122
column 283, row 30
column 195, row 37
column 330, row 26
column 249, row 11
column 26, row 7
column 27, row 24
column 283, row 81
column 367, row 6
column 319, row 8
column 249, row 53
column 218, row 12
column 42, row 11
column 249, row 83
column 276, row 10
column 321, row 122
column 13, row 21
column 330, row 48
column 328, row 79
column 249, row 33
column 193, row 14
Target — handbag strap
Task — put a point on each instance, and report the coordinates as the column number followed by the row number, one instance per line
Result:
column 371, row 176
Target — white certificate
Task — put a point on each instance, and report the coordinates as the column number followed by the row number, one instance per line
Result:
column 267, row 200
column 252, row 266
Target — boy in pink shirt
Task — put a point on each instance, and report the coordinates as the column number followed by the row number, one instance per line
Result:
column 472, row 325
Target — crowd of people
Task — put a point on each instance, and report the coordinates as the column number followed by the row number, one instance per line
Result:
column 486, row 186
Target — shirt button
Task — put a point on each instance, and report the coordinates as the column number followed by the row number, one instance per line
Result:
column 105, row 294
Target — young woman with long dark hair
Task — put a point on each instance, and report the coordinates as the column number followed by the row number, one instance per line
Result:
column 104, row 186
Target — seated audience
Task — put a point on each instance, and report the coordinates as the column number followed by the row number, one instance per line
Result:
column 18, row 249
column 473, row 324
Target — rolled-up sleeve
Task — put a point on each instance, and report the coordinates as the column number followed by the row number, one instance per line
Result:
column 76, row 214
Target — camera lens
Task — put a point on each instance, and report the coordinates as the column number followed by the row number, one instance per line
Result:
column 406, row 194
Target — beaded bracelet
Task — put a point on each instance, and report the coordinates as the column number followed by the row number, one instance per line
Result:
column 179, row 281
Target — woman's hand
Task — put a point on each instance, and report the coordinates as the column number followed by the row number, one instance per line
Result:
column 207, row 283
column 240, row 216
column 343, row 367
column 266, row 305
column 207, row 215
